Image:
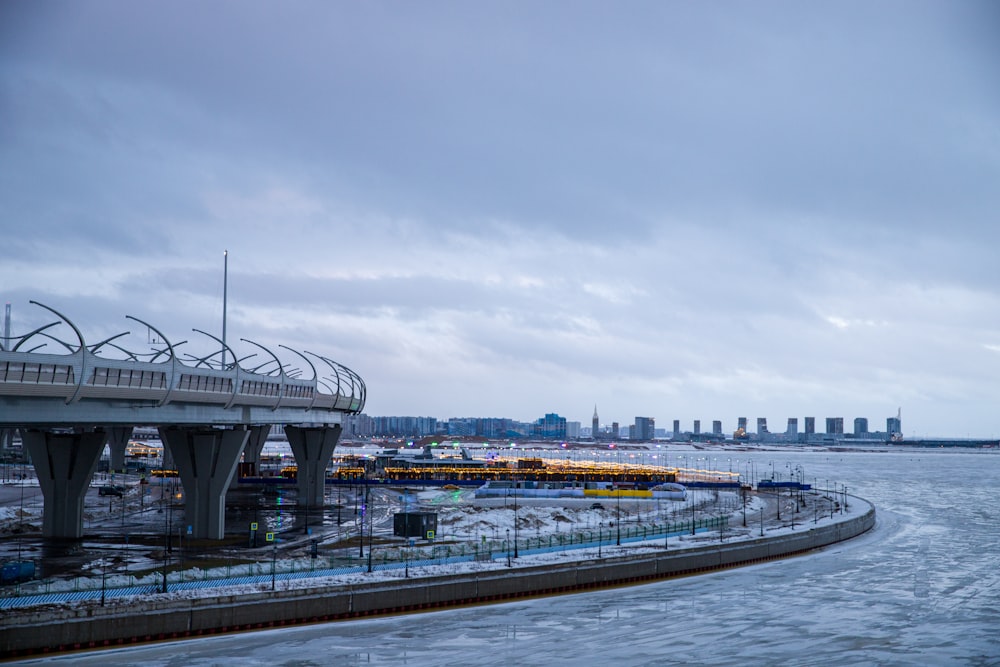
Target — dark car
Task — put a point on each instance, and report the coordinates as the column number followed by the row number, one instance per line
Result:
column 111, row 491
column 597, row 506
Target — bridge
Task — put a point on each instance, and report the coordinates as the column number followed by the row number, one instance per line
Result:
column 210, row 410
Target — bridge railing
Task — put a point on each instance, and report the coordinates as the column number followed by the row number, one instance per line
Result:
column 82, row 373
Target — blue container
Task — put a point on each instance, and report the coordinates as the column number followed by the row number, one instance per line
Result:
column 15, row 572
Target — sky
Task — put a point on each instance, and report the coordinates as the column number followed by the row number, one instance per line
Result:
column 666, row 209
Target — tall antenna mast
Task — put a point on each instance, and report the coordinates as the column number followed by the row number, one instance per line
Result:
column 225, row 287
column 6, row 327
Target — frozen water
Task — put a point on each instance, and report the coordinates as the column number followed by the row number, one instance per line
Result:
column 920, row 589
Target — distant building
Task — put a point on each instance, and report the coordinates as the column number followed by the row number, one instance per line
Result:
column 860, row 426
column 400, row 427
column 595, row 431
column 697, row 426
column 550, row 427
column 644, row 429
column 461, row 426
column 677, row 427
column 894, row 427
column 792, row 430
column 835, row 425
column 717, row 427
column 761, row 425
column 810, row 425
column 741, row 424
column 573, row 430
column 614, row 431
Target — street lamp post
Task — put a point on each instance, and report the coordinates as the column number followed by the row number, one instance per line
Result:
column 361, row 524
column 692, row 512
column 508, row 548
column 618, row 518
column 371, row 520
column 515, row 517
column 167, row 528
column 104, row 579
column 743, row 492
column 274, row 564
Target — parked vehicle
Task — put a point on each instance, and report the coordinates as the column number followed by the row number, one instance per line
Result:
column 11, row 573
column 111, row 491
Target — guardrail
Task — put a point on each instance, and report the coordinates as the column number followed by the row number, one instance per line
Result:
column 396, row 558
column 163, row 376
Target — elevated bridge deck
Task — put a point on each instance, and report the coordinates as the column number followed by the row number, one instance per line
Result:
column 68, row 406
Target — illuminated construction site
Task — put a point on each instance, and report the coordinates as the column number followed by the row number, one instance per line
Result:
column 468, row 472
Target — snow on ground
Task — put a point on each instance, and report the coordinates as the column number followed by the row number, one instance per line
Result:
column 464, row 520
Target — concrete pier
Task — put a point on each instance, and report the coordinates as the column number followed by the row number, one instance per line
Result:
column 64, row 464
column 312, row 447
column 206, row 461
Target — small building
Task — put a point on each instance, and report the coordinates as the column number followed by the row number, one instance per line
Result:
column 415, row 524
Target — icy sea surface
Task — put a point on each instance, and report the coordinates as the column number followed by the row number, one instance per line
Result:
column 922, row 588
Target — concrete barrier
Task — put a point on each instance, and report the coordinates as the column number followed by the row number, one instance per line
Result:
column 34, row 631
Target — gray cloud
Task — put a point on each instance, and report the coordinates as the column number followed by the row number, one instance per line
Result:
column 669, row 209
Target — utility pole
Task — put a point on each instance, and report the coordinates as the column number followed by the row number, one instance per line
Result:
column 225, row 295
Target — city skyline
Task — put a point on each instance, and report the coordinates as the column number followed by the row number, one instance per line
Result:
column 683, row 208
column 644, row 426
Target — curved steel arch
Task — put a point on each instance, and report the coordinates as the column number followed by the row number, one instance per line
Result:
column 357, row 384
column 82, row 352
column 315, row 377
column 173, row 359
column 281, row 371
column 94, row 377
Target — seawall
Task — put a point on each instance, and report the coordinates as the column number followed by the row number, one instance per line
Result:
column 34, row 631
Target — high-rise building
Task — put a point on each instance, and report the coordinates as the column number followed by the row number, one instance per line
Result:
column 645, row 429
column 573, row 430
column 677, row 427
column 614, row 430
column 793, row 427
column 894, row 427
column 462, row 426
column 860, row 426
column 716, row 427
column 697, row 426
column 761, row 425
column 810, row 425
column 390, row 426
column 595, row 433
column 550, row 427
column 835, row 425
column 741, row 424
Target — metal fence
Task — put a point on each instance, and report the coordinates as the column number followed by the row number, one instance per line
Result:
column 263, row 574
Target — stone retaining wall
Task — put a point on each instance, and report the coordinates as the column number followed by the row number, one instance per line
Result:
column 26, row 632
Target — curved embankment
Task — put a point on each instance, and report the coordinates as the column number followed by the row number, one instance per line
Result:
column 65, row 629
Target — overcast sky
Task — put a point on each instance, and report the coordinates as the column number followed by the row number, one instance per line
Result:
column 680, row 210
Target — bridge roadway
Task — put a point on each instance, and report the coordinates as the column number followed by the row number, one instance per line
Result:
column 210, row 410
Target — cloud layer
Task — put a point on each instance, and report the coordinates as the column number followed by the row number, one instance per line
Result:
column 666, row 209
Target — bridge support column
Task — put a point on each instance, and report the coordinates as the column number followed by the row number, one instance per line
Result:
column 312, row 447
column 206, row 461
column 6, row 438
column 65, row 464
column 118, row 437
column 255, row 445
